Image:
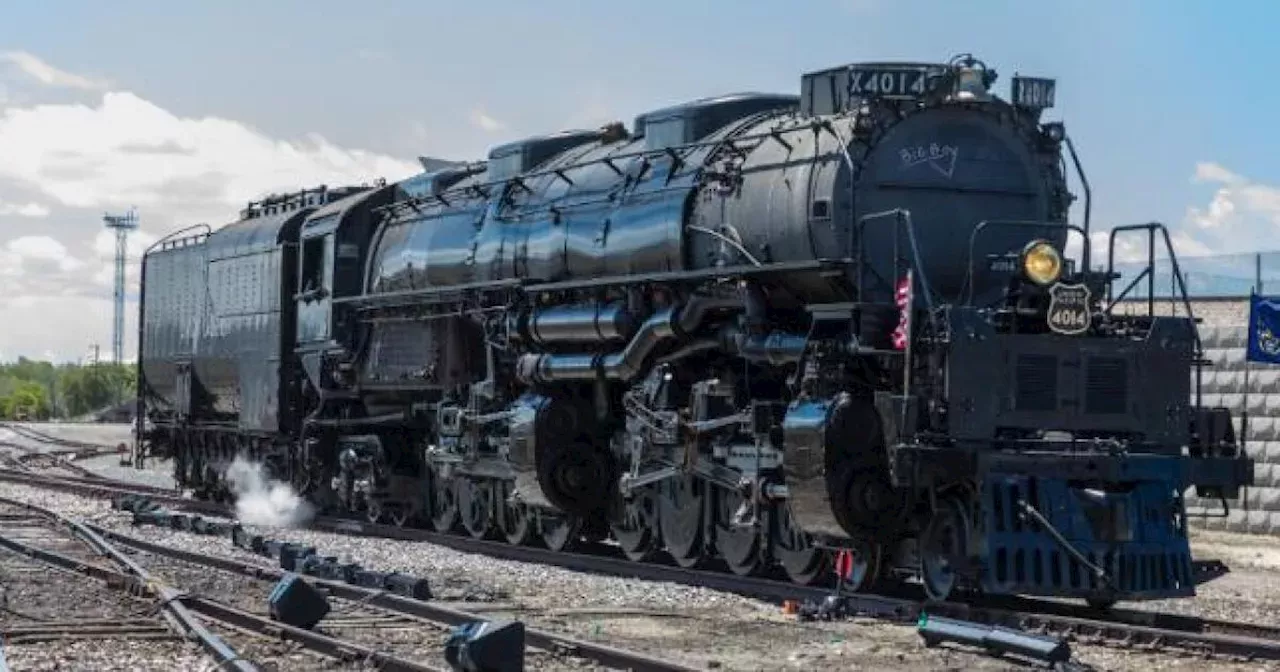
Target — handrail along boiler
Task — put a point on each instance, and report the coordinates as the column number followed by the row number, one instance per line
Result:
column 756, row 328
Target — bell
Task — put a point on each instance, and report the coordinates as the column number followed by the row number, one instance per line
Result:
column 971, row 85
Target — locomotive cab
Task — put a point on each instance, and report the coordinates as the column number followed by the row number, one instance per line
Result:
column 333, row 242
column 315, row 282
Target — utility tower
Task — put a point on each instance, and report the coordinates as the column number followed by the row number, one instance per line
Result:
column 122, row 224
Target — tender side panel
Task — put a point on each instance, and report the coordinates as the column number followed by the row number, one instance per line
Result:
column 239, row 354
column 242, row 354
column 173, row 306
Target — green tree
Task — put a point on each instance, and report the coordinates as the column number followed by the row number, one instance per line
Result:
column 85, row 389
column 39, row 389
column 28, row 400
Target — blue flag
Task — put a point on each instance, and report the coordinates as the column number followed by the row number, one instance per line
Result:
column 1264, row 329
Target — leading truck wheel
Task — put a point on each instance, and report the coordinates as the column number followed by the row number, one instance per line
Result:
column 943, row 541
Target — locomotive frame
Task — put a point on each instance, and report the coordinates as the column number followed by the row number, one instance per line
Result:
column 759, row 373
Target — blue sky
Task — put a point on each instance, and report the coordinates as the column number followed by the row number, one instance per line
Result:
column 256, row 93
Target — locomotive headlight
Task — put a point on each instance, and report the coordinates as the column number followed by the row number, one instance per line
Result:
column 1041, row 262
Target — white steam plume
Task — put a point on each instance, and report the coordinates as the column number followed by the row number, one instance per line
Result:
column 263, row 501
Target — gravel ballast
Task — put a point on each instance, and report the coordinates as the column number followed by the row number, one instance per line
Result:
column 696, row 626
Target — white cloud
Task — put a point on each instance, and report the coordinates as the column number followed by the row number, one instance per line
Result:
column 33, row 67
column 104, row 244
column 1240, row 214
column 71, row 162
column 23, row 210
column 40, row 249
column 128, row 151
column 1207, row 171
column 37, row 247
column 481, row 120
column 65, row 327
column 104, row 251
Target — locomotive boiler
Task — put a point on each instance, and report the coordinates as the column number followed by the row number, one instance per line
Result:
column 756, row 329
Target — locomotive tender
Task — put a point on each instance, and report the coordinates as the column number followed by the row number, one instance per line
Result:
column 759, row 329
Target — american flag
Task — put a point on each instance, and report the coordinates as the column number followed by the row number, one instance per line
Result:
column 903, row 298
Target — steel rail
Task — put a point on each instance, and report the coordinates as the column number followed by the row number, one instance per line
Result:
column 549, row 641
column 1122, row 627
column 135, row 579
column 136, row 576
column 49, row 439
column 56, row 459
column 77, row 449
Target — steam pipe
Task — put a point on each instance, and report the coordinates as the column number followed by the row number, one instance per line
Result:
column 584, row 324
column 776, row 348
column 623, row 365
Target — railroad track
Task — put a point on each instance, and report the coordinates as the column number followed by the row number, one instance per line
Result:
column 365, row 624
column 36, row 542
column 30, row 459
column 1122, row 628
column 69, row 446
column 63, row 457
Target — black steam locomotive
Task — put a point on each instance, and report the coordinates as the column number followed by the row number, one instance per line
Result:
column 767, row 330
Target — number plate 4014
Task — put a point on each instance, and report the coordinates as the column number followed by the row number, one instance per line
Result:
column 886, row 83
column 1069, row 309
column 1033, row 92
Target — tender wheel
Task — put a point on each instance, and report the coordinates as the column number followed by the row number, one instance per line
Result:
column 680, row 514
column 559, row 532
column 946, row 538
column 803, row 563
column 400, row 515
column 636, row 531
